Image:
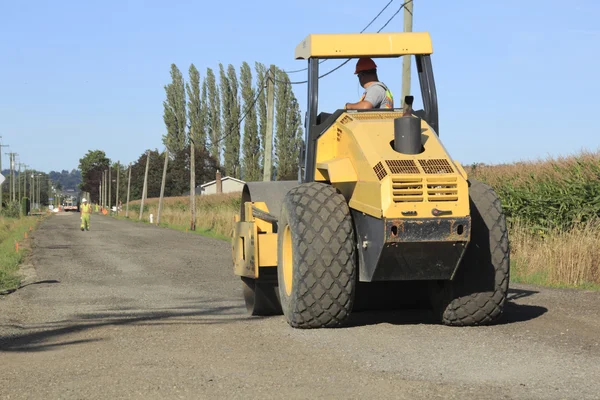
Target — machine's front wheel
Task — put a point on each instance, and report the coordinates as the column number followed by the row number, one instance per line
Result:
column 316, row 257
column 478, row 292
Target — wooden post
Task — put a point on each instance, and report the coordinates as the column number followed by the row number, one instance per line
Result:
column 269, row 134
column 118, row 174
column 109, row 187
column 128, row 188
column 192, row 185
column 162, row 186
column 145, row 185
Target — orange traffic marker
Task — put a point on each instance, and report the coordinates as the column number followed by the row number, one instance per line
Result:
column 17, row 246
column 25, row 235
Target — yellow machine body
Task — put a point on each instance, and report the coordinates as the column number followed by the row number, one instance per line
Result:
column 410, row 211
column 356, row 156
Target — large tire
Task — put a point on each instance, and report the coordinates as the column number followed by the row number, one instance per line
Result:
column 477, row 294
column 316, row 257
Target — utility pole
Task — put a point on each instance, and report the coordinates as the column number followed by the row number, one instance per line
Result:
column 117, row 197
column 24, row 180
column 1, row 146
column 9, row 176
column 128, row 187
column 33, row 189
column 104, row 189
column 19, row 183
column 145, row 185
column 162, row 186
column 109, row 187
column 192, row 183
column 269, row 134
column 102, row 192
column 14, row 189
column 408, row 19
column 10, row 182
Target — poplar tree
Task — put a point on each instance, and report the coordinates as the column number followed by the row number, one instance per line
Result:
column 174, row 114
column 204, row 116
column 251, row 147
column 196, row 134
column 225, row 107
column 214, row 116
column 288, row 129
column 232, row 130
column 261, row 105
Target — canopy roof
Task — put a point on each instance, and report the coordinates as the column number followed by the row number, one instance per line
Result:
column 364, row 45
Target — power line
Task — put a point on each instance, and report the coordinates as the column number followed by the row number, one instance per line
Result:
column 377, row 16
column 394, row 16
column 348, row 60
column 362, row 31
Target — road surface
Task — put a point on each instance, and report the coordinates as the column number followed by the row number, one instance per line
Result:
column 129, row 310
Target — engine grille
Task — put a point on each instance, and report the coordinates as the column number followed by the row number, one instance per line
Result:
column 413, row 189
column 380, row 171
column 345, row 120
column 436, row 166
column 407, row 189
column 368, row 116
column 402, row 166
column 442, row 189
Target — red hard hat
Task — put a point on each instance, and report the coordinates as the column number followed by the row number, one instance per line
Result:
column 365, row 64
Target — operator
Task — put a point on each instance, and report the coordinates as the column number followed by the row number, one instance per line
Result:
column 85, row 210
column 377, row 94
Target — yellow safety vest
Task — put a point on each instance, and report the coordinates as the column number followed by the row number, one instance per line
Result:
column 86, row 208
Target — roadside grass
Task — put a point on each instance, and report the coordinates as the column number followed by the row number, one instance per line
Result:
column 558, row 258
column 214, row 213
column 11, row 231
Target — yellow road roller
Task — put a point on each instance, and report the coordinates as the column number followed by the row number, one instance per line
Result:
column 378, row 199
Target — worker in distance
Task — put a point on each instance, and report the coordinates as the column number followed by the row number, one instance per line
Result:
column 377, row 94
column 85, row 210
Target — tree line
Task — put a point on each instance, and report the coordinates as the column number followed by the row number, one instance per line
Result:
column 211, row 124
column 208, row 114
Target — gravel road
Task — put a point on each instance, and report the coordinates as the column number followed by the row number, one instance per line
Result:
column 128, row 310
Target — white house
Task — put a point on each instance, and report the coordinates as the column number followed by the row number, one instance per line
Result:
column 227, row 184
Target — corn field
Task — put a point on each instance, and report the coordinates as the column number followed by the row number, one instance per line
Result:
column 553, row 210
column 557, row 193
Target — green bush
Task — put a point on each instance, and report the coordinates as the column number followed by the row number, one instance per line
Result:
column 11, row 210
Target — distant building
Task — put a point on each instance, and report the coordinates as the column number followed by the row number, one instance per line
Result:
column 227, row 184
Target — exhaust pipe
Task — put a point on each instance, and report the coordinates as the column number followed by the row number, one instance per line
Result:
column 407, row 130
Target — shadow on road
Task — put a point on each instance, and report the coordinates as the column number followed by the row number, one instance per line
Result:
column 47, row 336
column 39, row 283
column 418, row 312
column 515, row 294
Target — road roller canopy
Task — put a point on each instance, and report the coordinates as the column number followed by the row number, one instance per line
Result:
column 376, row 45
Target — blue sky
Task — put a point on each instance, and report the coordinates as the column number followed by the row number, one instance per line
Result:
column 516, row 80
